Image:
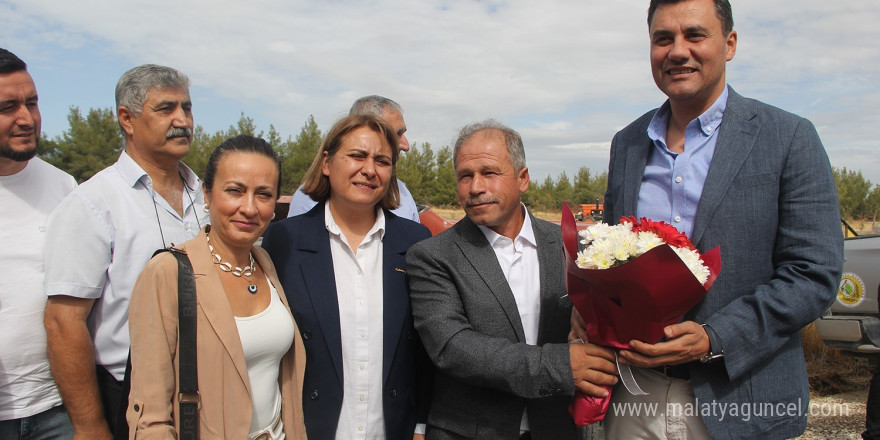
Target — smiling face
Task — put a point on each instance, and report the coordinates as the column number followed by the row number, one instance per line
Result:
column 689, row 52
column 165, row 125
column 360, row 171
column 489, row 187
column 19, row 116
column 242, row 199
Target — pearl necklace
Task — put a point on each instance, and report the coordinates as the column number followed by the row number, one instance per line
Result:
column 245, row 272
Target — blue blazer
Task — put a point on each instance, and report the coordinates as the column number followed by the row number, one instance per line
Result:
column 300, row 248
column 770, row 203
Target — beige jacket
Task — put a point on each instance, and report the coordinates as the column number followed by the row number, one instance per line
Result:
column 225, row 410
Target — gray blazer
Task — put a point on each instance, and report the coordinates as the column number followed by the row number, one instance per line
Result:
column 770, row 203
column 467, row 317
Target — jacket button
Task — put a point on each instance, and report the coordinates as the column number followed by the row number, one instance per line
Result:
column 307, row 335
column 393, row 394
column 314, row 395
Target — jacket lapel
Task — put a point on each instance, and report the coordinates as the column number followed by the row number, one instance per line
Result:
column 476, row 249
column 735, row 141
column 636, row 159
column 320, row 279
column 395, row 296
column 549, row 255
column 212, row 300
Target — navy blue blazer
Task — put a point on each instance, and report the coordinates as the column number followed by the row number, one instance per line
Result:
column 770, row 203
column 300, row 248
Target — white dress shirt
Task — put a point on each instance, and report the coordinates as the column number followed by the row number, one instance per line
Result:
column 101, row 236
column 359, row 291
column 519, row 262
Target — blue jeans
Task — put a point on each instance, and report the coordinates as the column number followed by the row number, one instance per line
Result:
column 50, row 424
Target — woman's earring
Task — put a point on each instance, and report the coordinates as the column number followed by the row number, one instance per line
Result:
column 273, row 216
column 205, row 208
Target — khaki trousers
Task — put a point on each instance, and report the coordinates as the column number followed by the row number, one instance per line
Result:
column 666, row 413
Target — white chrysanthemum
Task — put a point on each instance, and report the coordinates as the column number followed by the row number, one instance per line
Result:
column 648, row 240
column 583, row 261
column 691, row 259
column 593, row 232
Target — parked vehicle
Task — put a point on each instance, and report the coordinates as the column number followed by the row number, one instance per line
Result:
column 852, row 323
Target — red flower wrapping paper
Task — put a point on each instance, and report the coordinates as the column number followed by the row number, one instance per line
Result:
column 635, row 300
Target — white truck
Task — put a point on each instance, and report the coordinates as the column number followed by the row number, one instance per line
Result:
column 852, row 323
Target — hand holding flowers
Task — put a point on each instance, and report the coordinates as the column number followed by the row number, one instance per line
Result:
column 632, row 282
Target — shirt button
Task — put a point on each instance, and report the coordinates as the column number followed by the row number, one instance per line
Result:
column 709, row 128
column 678, row 179
column 360, row 272
column 363, row 334
column 362, row 398
column 363, row 367
column 361, row 428
column 677, row 218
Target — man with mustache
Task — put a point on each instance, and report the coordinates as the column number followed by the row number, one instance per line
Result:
column 732, row 172
column 30, row 406
column 102, row 235
column 489, row 302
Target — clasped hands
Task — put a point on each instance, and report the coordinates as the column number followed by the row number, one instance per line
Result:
column 593, row 365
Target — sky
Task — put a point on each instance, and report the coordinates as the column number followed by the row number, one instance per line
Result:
column 566, row 74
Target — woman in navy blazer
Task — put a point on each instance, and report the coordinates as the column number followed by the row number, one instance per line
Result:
column 354, row 180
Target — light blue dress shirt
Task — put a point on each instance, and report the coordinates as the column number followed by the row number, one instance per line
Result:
column 673, row 182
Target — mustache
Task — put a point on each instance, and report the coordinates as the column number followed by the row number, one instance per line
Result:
column 481, row 200
column 179, row 132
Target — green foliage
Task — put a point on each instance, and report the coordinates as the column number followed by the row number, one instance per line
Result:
column 90, row 144
column 857, row 199
column 94, row 142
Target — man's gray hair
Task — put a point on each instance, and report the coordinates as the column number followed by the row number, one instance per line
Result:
column 515, row 149
column 134, row 85
column 374, row 105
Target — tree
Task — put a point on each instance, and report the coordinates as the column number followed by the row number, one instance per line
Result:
column 91, row 144
column 298, row 155
column 852, row 191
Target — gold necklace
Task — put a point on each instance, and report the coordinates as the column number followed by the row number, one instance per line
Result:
column 241, row 272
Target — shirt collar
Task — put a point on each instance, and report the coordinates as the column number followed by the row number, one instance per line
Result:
column 333, row 228
column 526, row 233
column 132, row 173
column 708, row 121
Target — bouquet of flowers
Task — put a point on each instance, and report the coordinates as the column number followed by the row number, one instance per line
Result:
column 630, row 282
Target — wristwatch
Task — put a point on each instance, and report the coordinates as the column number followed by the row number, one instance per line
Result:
column 714, row 344
column 711, row 357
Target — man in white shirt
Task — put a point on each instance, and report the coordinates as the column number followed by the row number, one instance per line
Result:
column 489, row 302
column 392, row 113
column 102, row 235
column 30, row 406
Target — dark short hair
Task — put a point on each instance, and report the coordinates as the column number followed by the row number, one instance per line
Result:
column 722, row 11
column 317, row 185
column 9, row 63
column 242, row 143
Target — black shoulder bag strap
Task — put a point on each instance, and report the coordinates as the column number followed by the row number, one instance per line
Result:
column 189, row 399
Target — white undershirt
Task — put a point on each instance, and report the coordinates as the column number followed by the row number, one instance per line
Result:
column 265, row 337
column 519, row 262
column 359, row 292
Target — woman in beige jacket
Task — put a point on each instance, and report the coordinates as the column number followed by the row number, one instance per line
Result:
column 249, row 352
